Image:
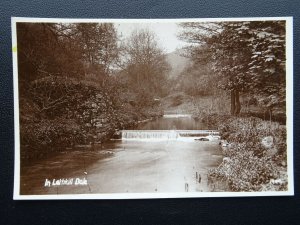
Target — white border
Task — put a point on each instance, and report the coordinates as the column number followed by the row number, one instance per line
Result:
column 289, row 113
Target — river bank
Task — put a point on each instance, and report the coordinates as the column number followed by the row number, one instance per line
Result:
column 57, row 114
column 50, row 130
column 255, row 153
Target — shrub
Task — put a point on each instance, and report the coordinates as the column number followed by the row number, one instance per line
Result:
column 250, row 131
column 249, row 164
column 243, row 170
column 46, row 133
column 58, row 112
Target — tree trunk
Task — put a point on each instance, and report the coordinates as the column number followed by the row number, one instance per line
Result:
column 232, row 109
column 235, row 102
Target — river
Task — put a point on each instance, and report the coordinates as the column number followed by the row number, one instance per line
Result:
column 133, row 166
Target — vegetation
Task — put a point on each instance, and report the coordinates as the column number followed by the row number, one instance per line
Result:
column 197, row 80
column 78, row 84
column 255, row 157
column 144, row 63
column 246, row 62
column 246, row 57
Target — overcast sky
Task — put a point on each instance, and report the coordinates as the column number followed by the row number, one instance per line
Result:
column 166, row 33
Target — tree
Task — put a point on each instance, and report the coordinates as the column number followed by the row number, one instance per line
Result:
column 246, row 56
column 196, row 80
column 51, row 63
column 65, row 49
column 144, row 62
column 47, row 49
column 267, row 66
column 98, row 44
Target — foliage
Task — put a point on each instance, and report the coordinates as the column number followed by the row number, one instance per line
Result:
column 72, row 50
column 42, row 52
column 70, row 91
column 60, row 112
column 244, row 171
column 45, row 133
column 54, row 96
column 248, row 164
column 144, row 63
column 197, row 80
column 98, row 45
column 250, row 131
column 246, row 56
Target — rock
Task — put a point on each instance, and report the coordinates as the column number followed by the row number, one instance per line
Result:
column 224, row 143
column 226, row 159
column 216, row 137
column 276, row 182
column 267, row 142
column 202, row 139
column 271, row 151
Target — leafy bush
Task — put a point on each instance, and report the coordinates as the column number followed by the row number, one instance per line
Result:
column 45, row 133
column 249, row 165
column 250, row 131
column 58, row 112
column 243, row 170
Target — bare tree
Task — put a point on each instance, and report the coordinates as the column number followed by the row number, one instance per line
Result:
column 144, row 61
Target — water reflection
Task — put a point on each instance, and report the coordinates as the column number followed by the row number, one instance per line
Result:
column 181, row 123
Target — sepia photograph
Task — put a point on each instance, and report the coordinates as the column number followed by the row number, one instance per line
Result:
column 153, row 108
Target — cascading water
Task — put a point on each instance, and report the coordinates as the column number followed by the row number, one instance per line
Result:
column 177, row 116
column 149, row 134
column 169, row 134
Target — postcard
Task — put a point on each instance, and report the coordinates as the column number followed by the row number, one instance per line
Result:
column 152, row 108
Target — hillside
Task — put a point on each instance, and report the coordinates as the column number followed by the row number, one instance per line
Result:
column 177, row 62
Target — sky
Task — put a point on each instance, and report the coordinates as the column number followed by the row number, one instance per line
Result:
column 165, row 32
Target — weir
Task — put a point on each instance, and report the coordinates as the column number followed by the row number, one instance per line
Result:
column 177, row 116
column 169, row 134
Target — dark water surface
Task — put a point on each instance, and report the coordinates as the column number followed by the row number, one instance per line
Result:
column 121, row 166
column 180, row 123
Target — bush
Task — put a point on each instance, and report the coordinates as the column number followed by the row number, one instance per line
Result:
column 249, row 165
column 251, row 131
column 46, row 133
column 58, row 112
column 243, row 170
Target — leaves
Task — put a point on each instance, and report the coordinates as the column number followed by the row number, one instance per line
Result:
column 245, row 55
column 247, row 165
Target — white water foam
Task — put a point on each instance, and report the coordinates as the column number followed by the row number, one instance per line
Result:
column 179, row 135
column 177, row 115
